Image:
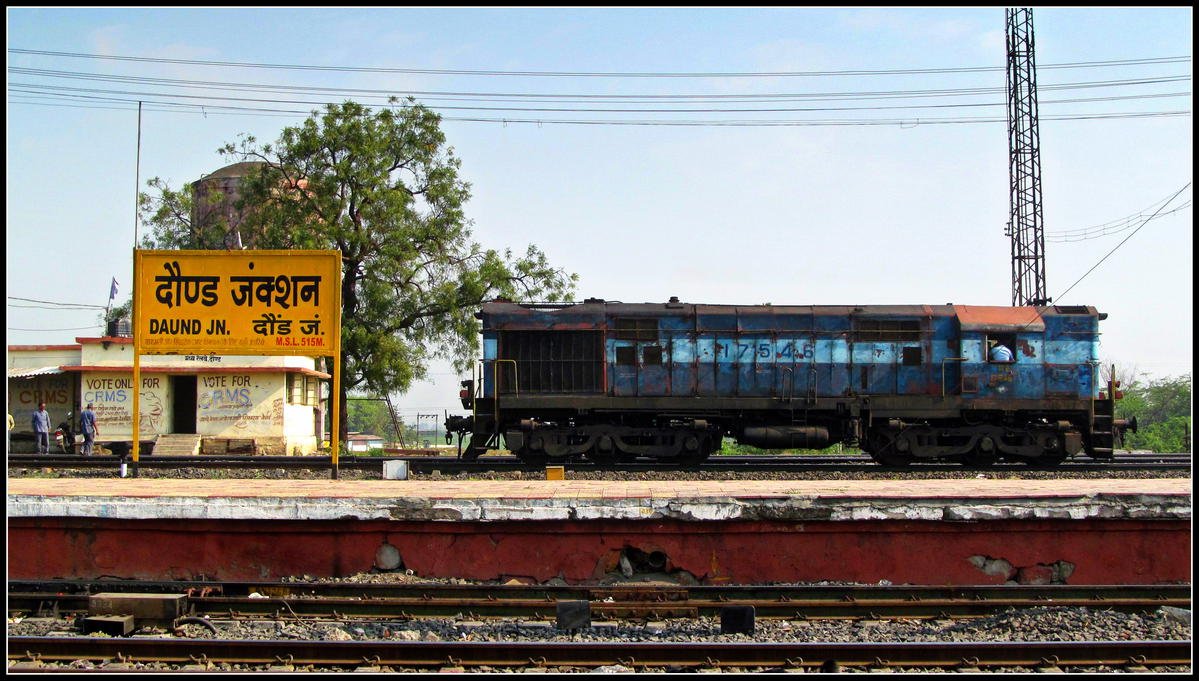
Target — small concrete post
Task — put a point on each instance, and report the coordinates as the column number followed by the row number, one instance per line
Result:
column 113, row 625
column 395, row 470
column 574, row 614
column 737, row 619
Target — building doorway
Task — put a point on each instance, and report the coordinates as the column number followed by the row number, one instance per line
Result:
column 183, row 404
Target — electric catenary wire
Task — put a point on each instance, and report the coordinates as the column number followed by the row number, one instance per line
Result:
column 1111, row 227
column 1124, row 240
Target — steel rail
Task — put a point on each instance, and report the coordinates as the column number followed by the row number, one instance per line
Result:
column 427, row 464
column 822, row 656
column 381, row 601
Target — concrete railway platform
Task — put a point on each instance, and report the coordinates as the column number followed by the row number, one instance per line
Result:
column 936, row 532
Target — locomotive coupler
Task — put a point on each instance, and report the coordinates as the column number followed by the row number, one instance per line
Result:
column 1125, row 424
column 460, row 425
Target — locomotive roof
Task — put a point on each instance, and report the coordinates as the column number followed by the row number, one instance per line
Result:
column 970, row 316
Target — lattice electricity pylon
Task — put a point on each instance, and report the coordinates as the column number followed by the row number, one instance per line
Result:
column 1026, row 222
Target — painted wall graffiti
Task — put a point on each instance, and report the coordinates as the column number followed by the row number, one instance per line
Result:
column 55, row 391
column 240, row 405
column 24, row 394
column 112, row 395
column 152, row 414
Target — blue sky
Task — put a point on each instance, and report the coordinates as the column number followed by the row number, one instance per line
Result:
column 910, row 211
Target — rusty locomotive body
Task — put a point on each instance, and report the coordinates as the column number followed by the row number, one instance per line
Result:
column 613, row 382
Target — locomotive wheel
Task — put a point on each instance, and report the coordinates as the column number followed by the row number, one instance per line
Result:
column 699, row 455
column 602, row 458
column 884, row 451
column 1052, row 453
column 985, row 454
column 605, row 452
column 1047, row 460
column 979, row 459
column 535, row 459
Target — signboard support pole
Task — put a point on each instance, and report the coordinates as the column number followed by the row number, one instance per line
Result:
column 137, row 385
column 335, row 404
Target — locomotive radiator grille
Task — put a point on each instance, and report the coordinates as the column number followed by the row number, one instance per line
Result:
column 553, row 361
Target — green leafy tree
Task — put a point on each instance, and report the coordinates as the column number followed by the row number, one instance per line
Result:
column 1162, row 408
column 370, row 415
column 382, row 187
column 169, row 214
column 122, row 311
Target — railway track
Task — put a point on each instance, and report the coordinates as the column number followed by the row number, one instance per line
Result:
column 227, row 608
column 28, row 653
column 447, row 464
column 340, row 600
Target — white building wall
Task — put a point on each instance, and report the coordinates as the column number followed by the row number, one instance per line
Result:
column 32, row 359
column 300, row 428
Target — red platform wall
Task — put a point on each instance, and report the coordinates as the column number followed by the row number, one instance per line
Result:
column 911, row 552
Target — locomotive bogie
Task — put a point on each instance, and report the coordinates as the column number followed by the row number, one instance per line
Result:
column 611, row 443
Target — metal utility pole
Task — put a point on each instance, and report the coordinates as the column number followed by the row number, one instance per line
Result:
column 395, row 422
column 433, row 417
column 1026, row 224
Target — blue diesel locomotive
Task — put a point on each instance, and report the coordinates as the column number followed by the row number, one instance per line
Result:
column 612, row 382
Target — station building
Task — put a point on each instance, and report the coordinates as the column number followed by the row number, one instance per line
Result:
column 267, row 404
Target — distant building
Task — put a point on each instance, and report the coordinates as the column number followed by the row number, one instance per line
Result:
column 214, row 201
column 276, row 401
column 364, row 442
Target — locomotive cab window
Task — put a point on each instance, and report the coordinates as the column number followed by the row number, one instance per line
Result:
column 1001, row 348
column 626, row 356
column 913, row 356
column 651, row 355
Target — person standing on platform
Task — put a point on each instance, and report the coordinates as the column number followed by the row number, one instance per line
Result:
column 41, row 428
column 87, row 423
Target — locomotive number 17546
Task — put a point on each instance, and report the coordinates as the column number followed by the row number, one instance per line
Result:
column 762, row 351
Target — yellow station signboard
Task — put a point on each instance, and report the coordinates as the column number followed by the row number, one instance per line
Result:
column 237, row 302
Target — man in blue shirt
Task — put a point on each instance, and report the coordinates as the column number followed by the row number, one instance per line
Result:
column 87, row 423
column 1001, row 353
column 41, row 428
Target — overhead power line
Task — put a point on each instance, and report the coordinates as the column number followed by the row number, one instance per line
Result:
column 55, row 304
column 520, row 96
column 52, row 307
column 73, row 328
column 216, row 97
column 909, row 122
column 596, row 74
column 58, row 91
